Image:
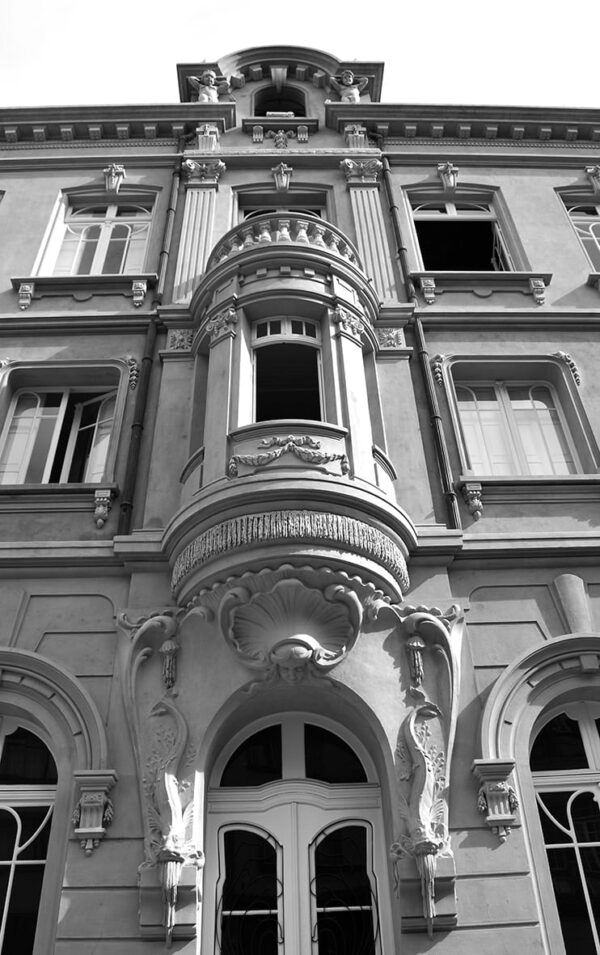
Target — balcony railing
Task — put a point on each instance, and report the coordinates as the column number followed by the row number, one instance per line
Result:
column 286, row 229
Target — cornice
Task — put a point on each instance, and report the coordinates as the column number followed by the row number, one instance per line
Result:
column 149, row 123
column 488, row 123
column 498, row 318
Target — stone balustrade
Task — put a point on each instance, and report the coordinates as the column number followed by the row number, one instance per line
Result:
column 286, row 229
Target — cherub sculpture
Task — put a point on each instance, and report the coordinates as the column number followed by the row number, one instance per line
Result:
column 350, row 87
column 207, row 86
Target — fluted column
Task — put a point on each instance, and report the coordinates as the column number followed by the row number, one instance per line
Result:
column 219, row 392
column 347, row 329
column 363, row 185
column 201, row 183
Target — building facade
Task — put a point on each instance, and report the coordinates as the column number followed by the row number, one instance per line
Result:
column 299, row 501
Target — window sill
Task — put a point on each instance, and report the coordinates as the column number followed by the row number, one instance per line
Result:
column 83, row 287
column 91, row 498
column 491, row 489
column 434, row 283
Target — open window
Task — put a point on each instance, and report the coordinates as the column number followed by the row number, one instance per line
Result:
column 460, row 234
column 283, row 99
column 294, row 834
column 287, row 369
column 61, row 425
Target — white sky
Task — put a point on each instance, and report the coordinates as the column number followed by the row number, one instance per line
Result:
column 512, row 52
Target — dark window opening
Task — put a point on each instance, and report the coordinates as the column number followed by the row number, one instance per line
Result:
column 461, row 247
column 344, row 900
column 285, row 100
column 249, row 916
column 558, row 746
column 256, row 761
column 329, row 758
column 287, row 383
column 26, row 761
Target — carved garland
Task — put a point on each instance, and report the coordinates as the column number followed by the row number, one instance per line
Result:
column 335, row 529
column 301, row 446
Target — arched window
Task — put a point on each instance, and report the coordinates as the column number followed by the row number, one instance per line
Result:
column 294, row 832
column 287, row 99
column 27, row 793
column 565, row 767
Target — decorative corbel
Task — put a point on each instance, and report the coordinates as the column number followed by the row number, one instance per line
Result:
column 355, row 136
column 496, row 798
column 593, row 174
column 207, row 138
column 282, row 175
column 103, row 498
column 280, row 137
column 26, row 292
column 138, row 291
column 448, row 173
column 537, row 288
column 93, row 811
column 114, row 175
column 472, row 492
column 428, row 290
column 570, row 362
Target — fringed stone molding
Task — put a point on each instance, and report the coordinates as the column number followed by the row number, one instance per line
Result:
column 570, row 362
column 338, row 530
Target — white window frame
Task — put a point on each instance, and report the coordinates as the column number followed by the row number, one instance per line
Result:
column 491, row 209
column 523, row 369
column 586, row 227
column 577, row 781
column 66, row 209
column 106, row 378
column 295, row 813
column 249, row 203
column 509, row 425
column 287, row 336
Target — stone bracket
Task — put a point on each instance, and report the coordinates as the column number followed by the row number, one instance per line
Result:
column 152, row 903
column 496, row 799
column 93, row 811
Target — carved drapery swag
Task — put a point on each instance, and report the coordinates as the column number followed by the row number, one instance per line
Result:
column 430, row 670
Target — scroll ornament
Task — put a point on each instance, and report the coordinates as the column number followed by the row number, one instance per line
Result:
column 431, row 642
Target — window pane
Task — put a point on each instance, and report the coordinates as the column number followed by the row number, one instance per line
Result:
column 8, row 834
column 329, row 758
column 21, row 924
column 455, row 245
column 485, row 432
column 570, row 900
column 46, row 425
column 26, row 760
column 256, row 761
column 87, row 250
column 251, row 893
column 541, row 434
column 287, row 382
column 558, row 746
column 115, row 253
column 343, row 895
column 19, row 440
column 35, row 823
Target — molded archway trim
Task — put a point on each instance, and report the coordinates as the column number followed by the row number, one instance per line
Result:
column 52, row 693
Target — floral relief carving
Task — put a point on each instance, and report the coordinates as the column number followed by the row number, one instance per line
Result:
column 304, row 447
column 222, row 322
column 347, row 321
column 429, row 661
column 180, row 339
column 390, row 337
